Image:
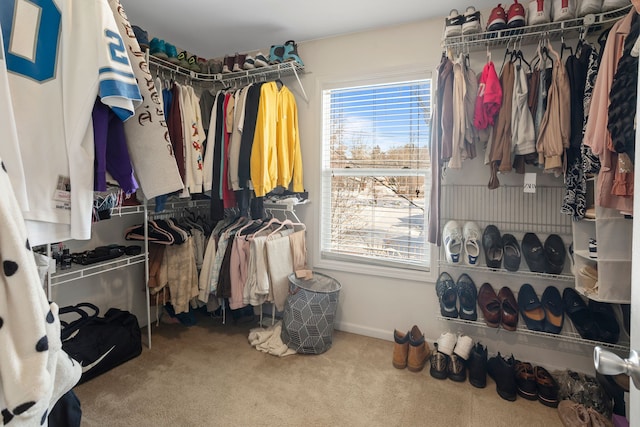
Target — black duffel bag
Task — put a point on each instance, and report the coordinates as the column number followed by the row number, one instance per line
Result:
column 99, row 343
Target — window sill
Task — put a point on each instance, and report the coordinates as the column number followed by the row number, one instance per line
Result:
column 425, row 276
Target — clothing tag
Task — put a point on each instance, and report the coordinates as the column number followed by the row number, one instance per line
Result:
column 63, row 190
column 529, row 182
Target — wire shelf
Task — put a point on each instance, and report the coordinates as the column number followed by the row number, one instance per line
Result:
column 77, row 271
column 520, row 273
column 565, row 336
column 532, row 33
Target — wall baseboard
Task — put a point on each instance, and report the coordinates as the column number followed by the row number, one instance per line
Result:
column 353, row 328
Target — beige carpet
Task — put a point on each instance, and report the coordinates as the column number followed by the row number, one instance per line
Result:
column 209, row 375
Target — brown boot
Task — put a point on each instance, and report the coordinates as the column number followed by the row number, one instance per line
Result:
column 419, row 350
column 400, row 349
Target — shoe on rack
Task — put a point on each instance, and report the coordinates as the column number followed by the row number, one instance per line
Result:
column 275, row 54
column 215, row 66
column 463, row 347
column 419, row 350
column 563, row 10
column 446, row 290
column 238, row 62
column 193, row 63
column 586, row 7
column 477, row 366
column 579, row 314
column 172, row 53
column 467, row 297
column 526, row 380
column 553, row 311
column 497, row 19
column 533, row 252
column 291, row 52
column 492, row 244
column 503, row 373
column 530, row 308
column 182, row 59
column 489, row 305
column 555, row 253
column 471, row 24
column 400, row 349
column 142, row 36
column 446, row 343
column 515, row 15
column 573, row 414
column 511, row 252
column 509, row 309
column 453, row 242
column 604, row 317
column 472, row 242
column 453, row 24
column 547, row 387
column 609, row 5
column 439, row 365
column 261, row 60
column 227, row 64
column 539, row 12
column 457, row 369
column 249, row 63
column 157, row 48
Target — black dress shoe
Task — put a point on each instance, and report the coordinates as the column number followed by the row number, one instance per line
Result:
column 604, row 317
column 531, row 308
column 492, row 244
column 579, row 314
column 467, row 295
column 478, row 366
column 555, row 253
column 553, row 311
column 511, row 251
column 534, row 253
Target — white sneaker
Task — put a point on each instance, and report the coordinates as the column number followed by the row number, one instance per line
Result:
column 563, row 10
column 452, row 239
column 453, row 24
column 472, row 235
column 471, row 24
column 464, row 344
column 446, row 343
column 608, row 5
column 539, row 12
column 587, row 7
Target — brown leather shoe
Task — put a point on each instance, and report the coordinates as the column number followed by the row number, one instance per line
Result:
column 573, row 414
column 419, row 350
column 400, row 349
column 489, row 305
column 509, row 312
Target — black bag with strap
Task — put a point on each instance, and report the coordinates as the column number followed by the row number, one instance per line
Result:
column 100, row 343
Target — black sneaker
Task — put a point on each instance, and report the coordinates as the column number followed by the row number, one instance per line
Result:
column 467, row 296
column 453, row 24
column 503, row 373
column 439, row 365
column 547, row 387
column 457, row 369
column 478, row 366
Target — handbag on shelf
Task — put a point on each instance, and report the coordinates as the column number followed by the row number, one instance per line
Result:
column 99, row 343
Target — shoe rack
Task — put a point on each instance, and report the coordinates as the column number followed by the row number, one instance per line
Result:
column 258, row 74
column 516, row 212
column 532, row 33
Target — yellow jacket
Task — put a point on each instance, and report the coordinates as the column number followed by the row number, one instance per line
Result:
column 288, row 142
column 264, row 167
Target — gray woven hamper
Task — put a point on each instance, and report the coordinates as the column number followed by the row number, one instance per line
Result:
column 309, row 312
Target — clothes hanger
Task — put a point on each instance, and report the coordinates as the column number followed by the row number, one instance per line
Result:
column 263, row 228
column 285, row 223
column 564, row 47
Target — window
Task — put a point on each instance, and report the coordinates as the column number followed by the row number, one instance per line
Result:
column 376, row 174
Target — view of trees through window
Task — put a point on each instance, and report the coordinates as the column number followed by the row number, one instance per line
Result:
column 376, row 172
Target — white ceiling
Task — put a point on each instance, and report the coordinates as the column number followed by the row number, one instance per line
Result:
column 213, row 28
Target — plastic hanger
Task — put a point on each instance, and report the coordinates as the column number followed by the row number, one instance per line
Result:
column 267, row 225
column 284, row 224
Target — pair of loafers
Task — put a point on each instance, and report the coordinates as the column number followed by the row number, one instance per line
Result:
column 498, row 309
column 450, row 292
column 548, row 258
column 546, row 315
column 501, row 249
column 594, row 320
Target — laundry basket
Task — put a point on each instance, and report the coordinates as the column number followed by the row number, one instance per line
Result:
column 309, row 312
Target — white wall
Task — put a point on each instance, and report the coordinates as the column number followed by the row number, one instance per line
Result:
column 369, row 304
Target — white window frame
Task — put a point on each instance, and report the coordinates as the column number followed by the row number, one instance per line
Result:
column 343, row 263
